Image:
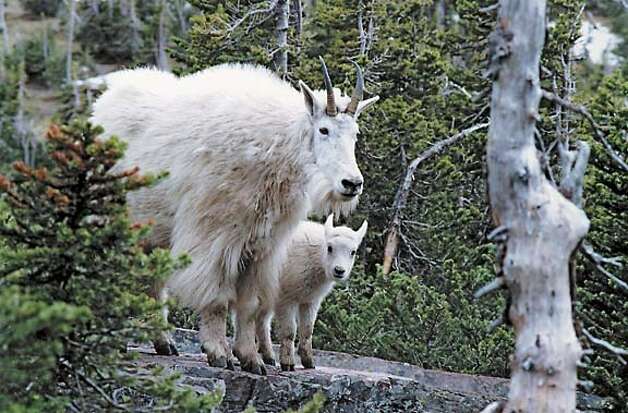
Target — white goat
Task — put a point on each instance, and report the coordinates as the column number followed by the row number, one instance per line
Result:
column 247, row 160
column 318, row 256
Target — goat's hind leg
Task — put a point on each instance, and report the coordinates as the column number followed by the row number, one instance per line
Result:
column 213, row 334
column 164, row 344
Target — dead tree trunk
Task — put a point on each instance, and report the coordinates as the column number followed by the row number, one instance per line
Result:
column 3, row 27
column 281, row 34
column 135, row 27
column 539, row 227
column 298, row 17
column 70, row 42
column 179, row 7
column 162, row 39
column 5, row 38
column 401, row 197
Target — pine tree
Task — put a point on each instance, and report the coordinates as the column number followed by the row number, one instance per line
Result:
column 75, row 284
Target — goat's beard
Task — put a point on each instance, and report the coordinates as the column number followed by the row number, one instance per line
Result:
column 324, row 201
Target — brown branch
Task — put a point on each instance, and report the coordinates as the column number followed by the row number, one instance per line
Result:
column 392, row 240
column 597, row 129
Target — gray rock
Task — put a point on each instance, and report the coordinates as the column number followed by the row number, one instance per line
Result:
column 350, row 384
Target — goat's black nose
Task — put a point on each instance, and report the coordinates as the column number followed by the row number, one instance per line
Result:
column 339, row 271
column 352, row 185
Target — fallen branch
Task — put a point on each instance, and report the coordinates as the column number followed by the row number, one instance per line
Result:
column 392, row 240
column 597, row 129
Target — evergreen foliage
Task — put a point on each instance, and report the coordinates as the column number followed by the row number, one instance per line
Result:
column 14, row 143
column 43, row 61
column 429, row 66
column 74, row 283
column 108, row 34
column 39, row 7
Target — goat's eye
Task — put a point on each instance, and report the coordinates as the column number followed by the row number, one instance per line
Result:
column 352, row 253
column 324, row 131
column 329, row 249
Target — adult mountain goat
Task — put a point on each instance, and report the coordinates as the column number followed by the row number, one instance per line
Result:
column 248, row 157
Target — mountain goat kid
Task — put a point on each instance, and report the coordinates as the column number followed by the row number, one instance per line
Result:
column 248, row 157
column 318, row 256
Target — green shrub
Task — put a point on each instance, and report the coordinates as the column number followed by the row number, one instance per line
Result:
column 399, row 317
column 39, row 7
column 74, row 282
column 43, row 61
column 108, row 36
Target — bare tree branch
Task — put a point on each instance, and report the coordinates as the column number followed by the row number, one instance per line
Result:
column 618, row 351
column 496, row 284
column 596, row 128
column 392, row 240
column 599, row 261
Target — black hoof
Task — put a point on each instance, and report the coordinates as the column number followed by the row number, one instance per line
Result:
column 307, row 364
column 165, row 348
column 287, row 367
column 254, row 368
column 219, row 362
column 269, row 361
column 230, row 365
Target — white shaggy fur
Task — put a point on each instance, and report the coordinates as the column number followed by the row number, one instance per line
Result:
column 318, row 257
column 246, row 161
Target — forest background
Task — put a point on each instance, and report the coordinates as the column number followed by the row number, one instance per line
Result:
column 410, row 297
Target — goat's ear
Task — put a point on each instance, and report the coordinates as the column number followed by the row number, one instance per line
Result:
column 365, row 104
column 329, row 224
column 362, row 231
column 311, row 104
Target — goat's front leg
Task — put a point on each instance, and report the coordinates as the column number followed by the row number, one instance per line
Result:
column 246, row 309
column 264, row 342
column 307, row 317
column 285, row 317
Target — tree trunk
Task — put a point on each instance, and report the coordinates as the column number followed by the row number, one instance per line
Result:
column 541, row 229
column 162, row 39
column 45, row 44
column 281, row 34
column 110, row 5
column 179, row 6
column 135, row 27
column 5, row 38
column 298, row 15
column 70, row 45
column 94, row 6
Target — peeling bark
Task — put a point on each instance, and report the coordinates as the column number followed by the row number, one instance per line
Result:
column 543, row 227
